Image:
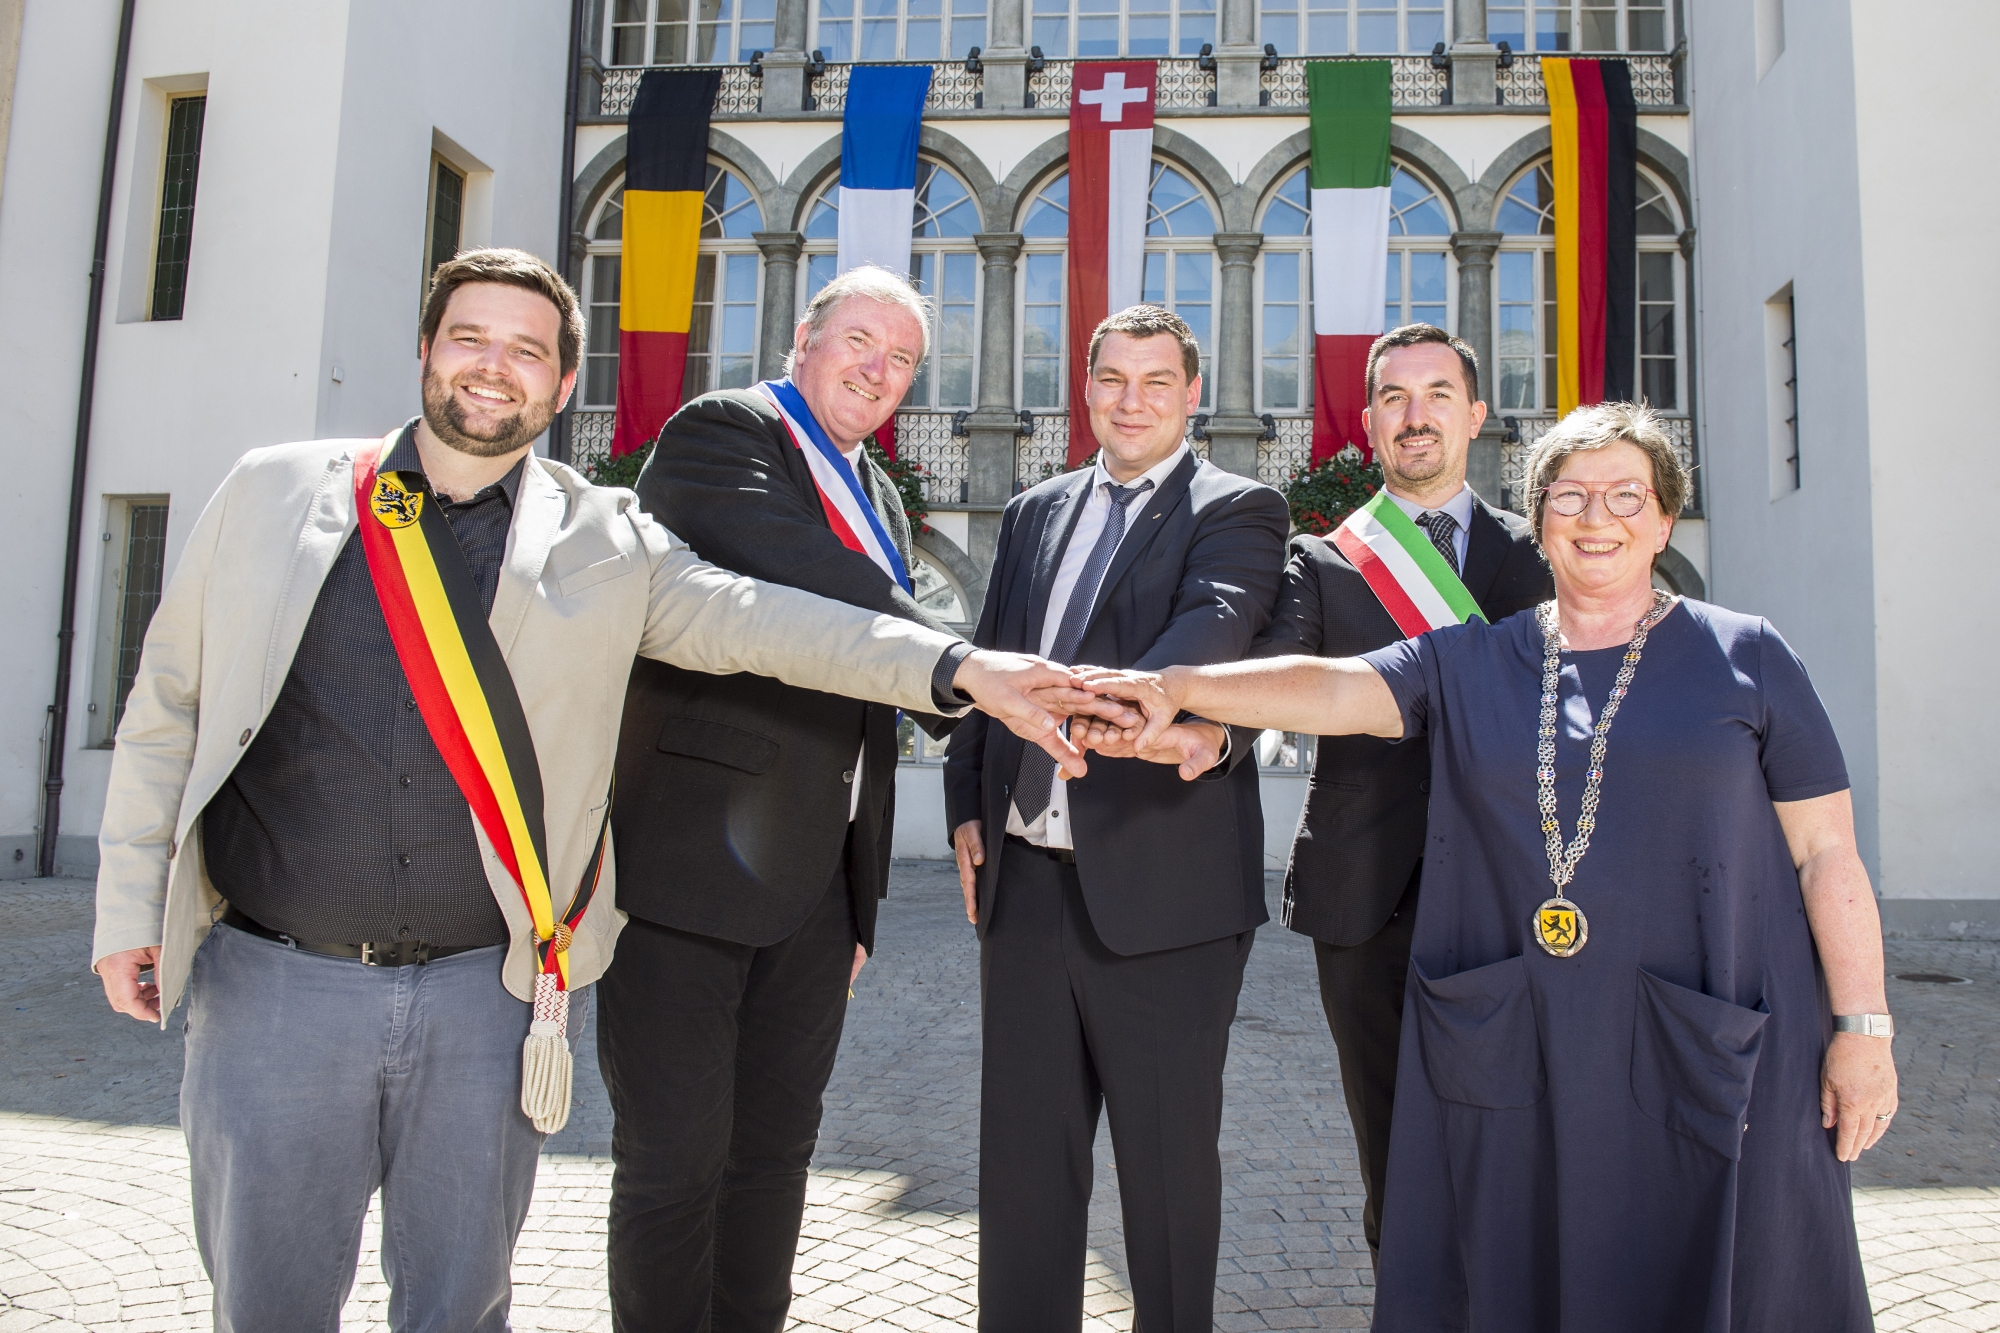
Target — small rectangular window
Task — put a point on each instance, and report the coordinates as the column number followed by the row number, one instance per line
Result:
column 179, row 172
column 1781, row 371
column 447, row 214
column 135, row 555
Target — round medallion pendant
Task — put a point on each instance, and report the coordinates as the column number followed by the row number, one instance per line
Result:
column 1561, row 928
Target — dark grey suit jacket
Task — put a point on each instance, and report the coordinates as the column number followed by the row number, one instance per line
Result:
column 1163, row 863
column 731, row 808
column 1362, row 832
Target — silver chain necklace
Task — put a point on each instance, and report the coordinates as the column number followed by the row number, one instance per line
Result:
column 1560, row 926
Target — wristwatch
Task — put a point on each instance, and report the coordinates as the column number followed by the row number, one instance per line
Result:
column 1868, row 1025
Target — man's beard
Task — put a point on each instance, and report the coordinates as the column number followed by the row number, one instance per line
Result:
column 1422, row 471
column 448, row 420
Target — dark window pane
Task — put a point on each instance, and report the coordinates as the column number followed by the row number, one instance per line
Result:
column 447, row 206
column 145, row 564
column 1657, row 382
column 177, row 182
column 1656, row 277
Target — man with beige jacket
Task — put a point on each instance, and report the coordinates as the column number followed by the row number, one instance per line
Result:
column 357, row 806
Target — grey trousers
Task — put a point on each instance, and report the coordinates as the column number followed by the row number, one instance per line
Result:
column 312, row 1082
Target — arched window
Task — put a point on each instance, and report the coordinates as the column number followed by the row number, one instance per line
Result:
column 944, row 265
column 664, row 32
column 1180, row 261
column 1556, row 26
column 898, row 29
column 722, row 333
column 1419, row 288
column 1343, row 27
column 1042, row 319
column 1093, row 29
column 1524, row 304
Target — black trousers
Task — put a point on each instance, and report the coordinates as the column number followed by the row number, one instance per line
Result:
column 716, row 1055
column 1361, row 988
column 1071, row 1027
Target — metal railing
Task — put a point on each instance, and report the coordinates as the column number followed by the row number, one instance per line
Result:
column 741, row 94
column 1514, row 458
column 925, row 439
column 1413, row 81
column 1520, row 84
column 590, row 439
column 1179, row 84
column 953, row 88
column 1278, row 459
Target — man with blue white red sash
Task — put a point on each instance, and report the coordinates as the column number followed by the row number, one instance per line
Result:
column 753, row 829
column 1426, row 551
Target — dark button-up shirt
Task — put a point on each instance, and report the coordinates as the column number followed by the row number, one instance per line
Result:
column 341, row 824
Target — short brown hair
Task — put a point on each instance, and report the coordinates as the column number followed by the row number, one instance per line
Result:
column 1149, row 321
column 1589, row 428
column 512, row 268
column 1416, row 335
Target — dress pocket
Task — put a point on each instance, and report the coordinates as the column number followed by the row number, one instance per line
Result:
column 1693, row 1059
column 1477, row 1030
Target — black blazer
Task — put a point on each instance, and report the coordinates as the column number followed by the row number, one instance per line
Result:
column 1362, row 831
column 1164, row 863
column 733, row 791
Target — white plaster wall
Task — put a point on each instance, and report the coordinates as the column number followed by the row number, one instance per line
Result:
column 1934, row 641
column 307, row 253
column 1776, row 202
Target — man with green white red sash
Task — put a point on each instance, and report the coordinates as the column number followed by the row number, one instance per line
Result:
column 1424, row 552
column 358, row 807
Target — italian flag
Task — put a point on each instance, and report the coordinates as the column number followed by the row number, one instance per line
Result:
column 666, row 172
column 1110, row 167
column 1349, row 104
column 1405, row 572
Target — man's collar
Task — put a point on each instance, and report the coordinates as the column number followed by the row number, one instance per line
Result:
column 1459, row 506
column 1157, row 474
column 405, row 458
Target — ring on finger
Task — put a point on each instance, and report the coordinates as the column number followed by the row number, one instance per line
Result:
column 1884, row 1117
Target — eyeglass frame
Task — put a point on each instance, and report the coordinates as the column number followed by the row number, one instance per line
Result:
column 1591, row 489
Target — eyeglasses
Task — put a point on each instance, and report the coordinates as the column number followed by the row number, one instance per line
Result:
column 1623, row 498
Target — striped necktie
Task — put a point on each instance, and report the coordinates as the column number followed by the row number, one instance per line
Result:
column 1443, row 531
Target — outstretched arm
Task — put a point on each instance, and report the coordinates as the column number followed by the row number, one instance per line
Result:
column 1858, row 1078
column 1319, row 695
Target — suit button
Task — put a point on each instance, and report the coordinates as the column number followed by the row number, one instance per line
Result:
column 848, row 776
column 1425, row 785
column 173, row 848
column 244, row 739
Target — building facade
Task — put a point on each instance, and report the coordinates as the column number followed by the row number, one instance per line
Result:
column 1779, row 261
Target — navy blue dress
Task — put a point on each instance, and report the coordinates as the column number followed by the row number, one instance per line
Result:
column 1627, row 1140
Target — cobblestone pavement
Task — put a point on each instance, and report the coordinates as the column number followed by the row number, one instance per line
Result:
column 94, row 1230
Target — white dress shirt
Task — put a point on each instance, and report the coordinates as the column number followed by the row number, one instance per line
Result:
column 1052, row 828
column 1460, row 509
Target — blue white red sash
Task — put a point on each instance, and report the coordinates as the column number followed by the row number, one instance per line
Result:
column 848, row 511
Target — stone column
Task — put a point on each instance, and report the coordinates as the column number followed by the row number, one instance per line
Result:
column 1238, row 79
column 990, row 450
column 785, row 62
column 1474, row 250
column 1234, row 429
column 1474, row 60
column 781, row 281
column 1006, row 55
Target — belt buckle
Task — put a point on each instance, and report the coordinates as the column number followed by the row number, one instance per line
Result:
column 368, row 955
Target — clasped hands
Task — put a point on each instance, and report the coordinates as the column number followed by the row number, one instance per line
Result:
column 1119, row 714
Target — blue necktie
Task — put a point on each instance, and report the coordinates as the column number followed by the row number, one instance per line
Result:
column 1038, row 770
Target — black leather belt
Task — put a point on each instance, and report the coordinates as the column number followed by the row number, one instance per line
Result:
column 1062, row 854
column 406, row 953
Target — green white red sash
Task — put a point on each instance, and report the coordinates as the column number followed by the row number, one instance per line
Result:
column 1413, row 582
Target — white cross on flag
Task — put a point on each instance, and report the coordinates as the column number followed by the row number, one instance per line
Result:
column 1110, row 167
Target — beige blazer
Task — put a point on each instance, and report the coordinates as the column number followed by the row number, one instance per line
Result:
column 587, row 583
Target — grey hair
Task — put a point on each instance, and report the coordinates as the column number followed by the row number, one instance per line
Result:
column 877, row 284
column 1588, row 428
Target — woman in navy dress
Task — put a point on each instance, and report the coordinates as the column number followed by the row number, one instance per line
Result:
column 1623, row 1102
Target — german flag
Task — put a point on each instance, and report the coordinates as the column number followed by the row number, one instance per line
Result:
column 1594, row 126
column 666, row 171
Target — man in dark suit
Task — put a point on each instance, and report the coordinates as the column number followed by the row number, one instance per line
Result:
column 753, row 824
column 1115, row 911
column 1353, row 880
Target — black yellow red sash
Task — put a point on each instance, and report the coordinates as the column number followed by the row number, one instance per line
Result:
column 464, row 690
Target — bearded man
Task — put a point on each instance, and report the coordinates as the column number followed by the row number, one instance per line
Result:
column 357, row 808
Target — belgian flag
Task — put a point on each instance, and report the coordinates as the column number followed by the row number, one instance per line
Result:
column 1594, row 129
column 666, row 172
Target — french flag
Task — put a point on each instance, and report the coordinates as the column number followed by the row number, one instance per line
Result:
column 878, row 174
column 878, row 164
column 1110, row 168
